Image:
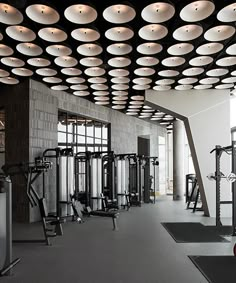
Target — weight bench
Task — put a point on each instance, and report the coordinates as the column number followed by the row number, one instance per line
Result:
column 111, row 214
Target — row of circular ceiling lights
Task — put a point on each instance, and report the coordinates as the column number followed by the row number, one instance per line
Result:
column 118, row 14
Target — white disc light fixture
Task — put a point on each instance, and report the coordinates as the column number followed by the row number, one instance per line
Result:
column 119, row 14
column 187, row 32
column 29, row 49
column 42, row 14
column 219, row 33
column 149, row 48
column 197, row 11
column 119, row 33
column 66, row 61
column 119, row 49
column 85, row 34
column 158, row 12
column 180, row 49
column 10, row 15
column 80, row 14
column 58, row 50
column 153, row 32
column 52, row 34
column 227, row 14
column 20, row 33
column 46, row 72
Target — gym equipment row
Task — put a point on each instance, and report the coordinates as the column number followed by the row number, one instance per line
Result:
column 6, row 262
column 192, row 193
column 218, row 176
column 30, row 173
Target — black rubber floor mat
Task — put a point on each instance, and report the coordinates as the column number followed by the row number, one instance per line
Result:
column 192, row 232
column 216, row 269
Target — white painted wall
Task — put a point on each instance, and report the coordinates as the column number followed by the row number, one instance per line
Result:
column 206, row 114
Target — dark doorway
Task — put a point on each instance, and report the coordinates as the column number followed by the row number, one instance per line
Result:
column 144, row 149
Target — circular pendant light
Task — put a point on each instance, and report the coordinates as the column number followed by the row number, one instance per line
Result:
column 119, row 33
column 209, row 48
column 38, row 62
column 120, row 80
column 20, row 33
column 9, row 81
column 97, row 80
column 95, row 71
column 101, row 98
column 5, row 50
column 118, row 73
column 187, row 81
column 209, row 81
column 75, row 80
column 131, row 113
column 193, row 71
column 135, row 102
column 168, row 73
column 118, row 107
column 102, row 102
column 149, row 48
column 142, row 81
column 42, row 14
column 29, row 49
column 91, row 61
column 147, row 61
column 119, row 14
column 144, row 71
column 53, row 80
column 119, row 62
column 201, row 61
column 120, row 98
column 217, row 72
column 226, row 61
column 183, row 87
column 227, row 14
column 229, row 80
column 219, row 33
column 119, row 49
column 165, row 82
column 180, row 49
column 119, row 92
column 231, row 50
column 224, row 86
column 120, row 86
column 99, row 86
column 10, row 15
column 23, row 72
column 89, row 49
column 46, row 72
column 202, row 87
column 66, row 61
column 162, row 87
column 79, row 87
column 52, row 34
column 141, row 87
column 4, row 73
column 12, row 62
column 188, row 32
column 153, row 32
column 71, row 71
column 197, row 11
column 59, row 87
column 158, row 12
column 100, row 93
column 58, row 50
column 85, row 34
column 80, row 14
column 81, row 93
column 173, row 61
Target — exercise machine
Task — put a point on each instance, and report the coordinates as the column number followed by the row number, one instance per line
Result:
column 6, row 262
column 31, row 172
column 192, row 194
column 64, row 179
column 231, row 177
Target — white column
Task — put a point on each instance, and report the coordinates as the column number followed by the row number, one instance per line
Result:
column 178, row 160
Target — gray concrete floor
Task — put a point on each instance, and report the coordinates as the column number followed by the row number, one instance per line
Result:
column 141, row 251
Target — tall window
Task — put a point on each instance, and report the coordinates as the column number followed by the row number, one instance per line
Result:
column 2, row 137
column 82, row 134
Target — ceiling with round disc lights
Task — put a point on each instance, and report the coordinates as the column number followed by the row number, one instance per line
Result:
column 111, row 52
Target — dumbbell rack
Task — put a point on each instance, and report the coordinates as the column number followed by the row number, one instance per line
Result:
column 218, row 176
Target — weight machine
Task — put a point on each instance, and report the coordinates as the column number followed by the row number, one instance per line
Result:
column 230, row 178
column 31, row 172
column 64, row 179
